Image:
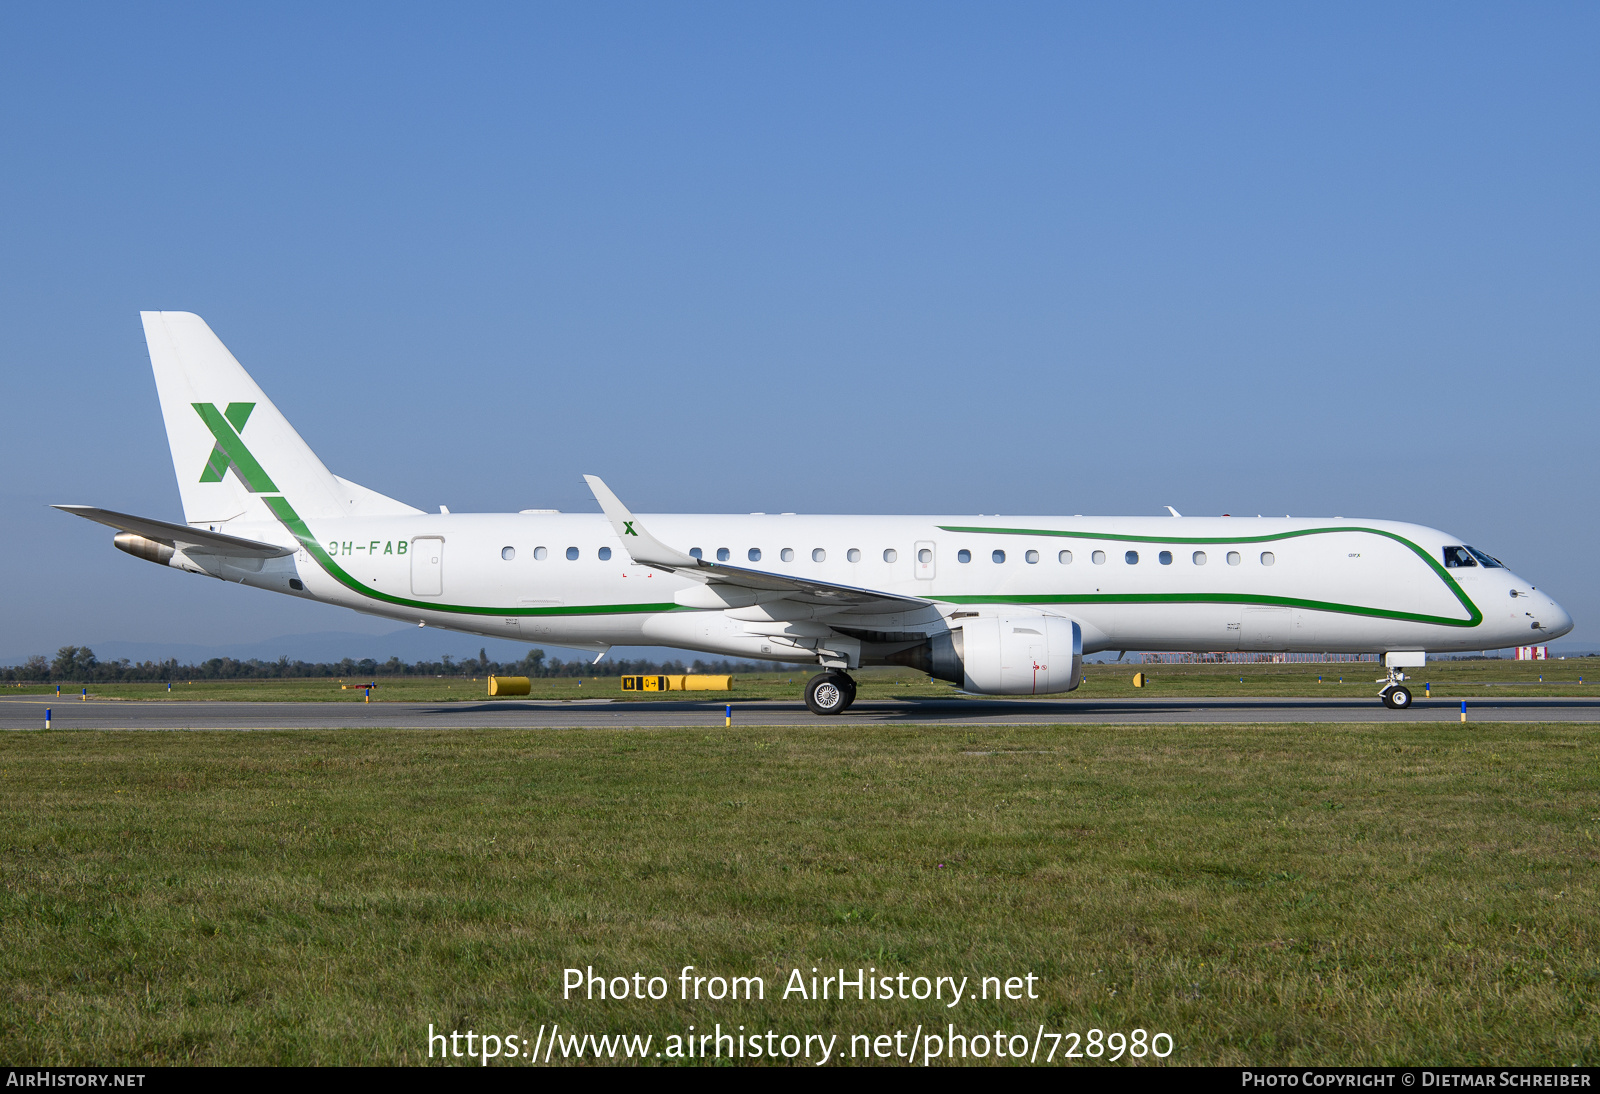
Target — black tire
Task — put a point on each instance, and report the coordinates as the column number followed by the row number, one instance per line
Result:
column 829, row 693
column 1397, row 697
column 849, row 683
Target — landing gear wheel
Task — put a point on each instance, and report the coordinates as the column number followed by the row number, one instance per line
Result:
column 830, row 693
column 1397, row 697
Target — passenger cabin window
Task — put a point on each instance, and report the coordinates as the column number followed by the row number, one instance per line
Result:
column 1198, row 558
column 819, row 555
column 539, row 553
column 925, row 556
column 1131, row 558
column 572, row 554
column 1031, row 557
column 722, row 554
column 998, row 556
column 1233, row 558
column 754, row 554
column 890, row 555
column 695, row 552
column 605, row 554
column 1098, row 558
column 1165, row 557
column 963, row 555
column 1455, row 557
column 787, row 554
column 853, row 554
column 1065, row 558
column 508, row 553
column 1268, row 558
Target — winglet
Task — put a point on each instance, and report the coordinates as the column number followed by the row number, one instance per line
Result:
column 641, row 546
column 1173, row 511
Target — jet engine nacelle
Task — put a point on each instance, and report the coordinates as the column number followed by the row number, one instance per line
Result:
column 1011, row 655
column 148, row 549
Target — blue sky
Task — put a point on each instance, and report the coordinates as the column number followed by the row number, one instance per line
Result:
column 992, row 258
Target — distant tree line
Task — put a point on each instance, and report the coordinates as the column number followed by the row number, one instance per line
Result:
column 79, row 665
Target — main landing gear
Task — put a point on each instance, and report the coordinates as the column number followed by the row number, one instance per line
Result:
column 830, row 692
column 1395, row 695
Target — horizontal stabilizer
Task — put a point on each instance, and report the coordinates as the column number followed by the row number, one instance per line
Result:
column 178, row 536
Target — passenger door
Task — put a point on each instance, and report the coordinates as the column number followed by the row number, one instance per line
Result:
column 427, row 566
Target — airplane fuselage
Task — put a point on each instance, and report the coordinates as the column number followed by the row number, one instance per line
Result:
column 1197, row 584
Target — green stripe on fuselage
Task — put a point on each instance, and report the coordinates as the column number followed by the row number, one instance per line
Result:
column 291, row 520
column 1474, row 616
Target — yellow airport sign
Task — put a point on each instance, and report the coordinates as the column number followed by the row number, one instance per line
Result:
column 685, row 682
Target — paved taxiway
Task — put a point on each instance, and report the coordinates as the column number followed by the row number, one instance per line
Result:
column 27, row 712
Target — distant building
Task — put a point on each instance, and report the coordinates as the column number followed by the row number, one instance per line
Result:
column 1533, row 653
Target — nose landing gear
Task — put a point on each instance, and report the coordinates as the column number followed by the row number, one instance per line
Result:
column 830, row 693
column 1395, row 695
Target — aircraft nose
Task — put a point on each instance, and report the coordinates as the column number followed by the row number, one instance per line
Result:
column 1555, row 619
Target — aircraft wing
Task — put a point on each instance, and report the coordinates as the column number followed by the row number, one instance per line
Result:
column 179, row 536
column 646, row 550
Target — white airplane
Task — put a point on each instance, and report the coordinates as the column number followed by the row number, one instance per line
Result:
column 1000, row 607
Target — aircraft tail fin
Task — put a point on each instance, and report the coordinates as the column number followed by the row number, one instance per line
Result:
column 231, row 447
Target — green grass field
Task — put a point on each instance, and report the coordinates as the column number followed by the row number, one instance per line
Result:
column 1449, row 679
column 1264, row 894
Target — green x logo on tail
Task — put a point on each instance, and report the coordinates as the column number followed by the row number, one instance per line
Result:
column 230, row 451
column 627, row 528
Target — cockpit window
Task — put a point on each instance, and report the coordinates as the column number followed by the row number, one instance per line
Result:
column 1488, row 561
column 1455, row 557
